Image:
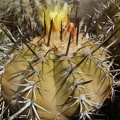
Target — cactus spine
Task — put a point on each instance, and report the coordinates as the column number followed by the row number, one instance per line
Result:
column 57, row 75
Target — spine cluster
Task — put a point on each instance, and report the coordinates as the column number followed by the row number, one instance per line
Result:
column 50, row 69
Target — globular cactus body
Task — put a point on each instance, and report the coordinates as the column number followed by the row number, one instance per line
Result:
column 45, row 78
column 54, row 77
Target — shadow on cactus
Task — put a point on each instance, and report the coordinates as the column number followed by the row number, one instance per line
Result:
column 59, row 74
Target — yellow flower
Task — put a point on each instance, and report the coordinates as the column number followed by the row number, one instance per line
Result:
column 56, row 13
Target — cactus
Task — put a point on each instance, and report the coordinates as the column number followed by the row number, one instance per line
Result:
column 106, row 23
column 59, row 74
